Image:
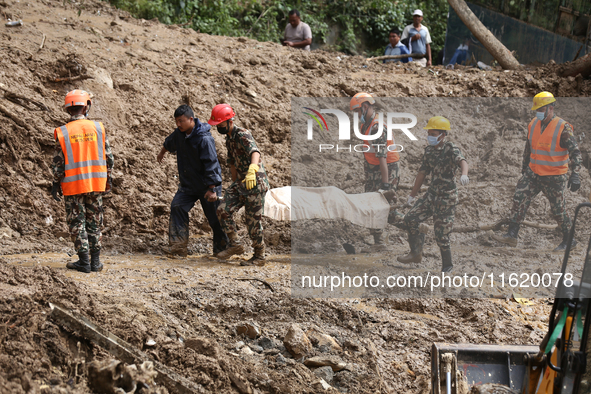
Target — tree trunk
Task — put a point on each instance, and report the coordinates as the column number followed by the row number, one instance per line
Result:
column 413, row 55
column 581, row 66
column 494, row 46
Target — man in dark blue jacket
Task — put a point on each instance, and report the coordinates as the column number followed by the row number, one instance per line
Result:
column 200, row 177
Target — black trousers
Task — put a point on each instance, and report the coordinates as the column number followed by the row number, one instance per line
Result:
column 181, row 204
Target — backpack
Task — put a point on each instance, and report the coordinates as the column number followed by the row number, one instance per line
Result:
column 405, row 42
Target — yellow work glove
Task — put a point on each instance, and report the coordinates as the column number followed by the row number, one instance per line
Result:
column 251, row 176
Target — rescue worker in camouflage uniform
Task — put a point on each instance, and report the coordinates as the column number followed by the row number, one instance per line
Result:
column 82, row 169
column 441, row 158
column 382, row 171
column 248, row 188
column 549, row 147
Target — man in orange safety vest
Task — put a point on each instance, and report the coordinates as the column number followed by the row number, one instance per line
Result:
column 82, row 174
column 381, row 157
column 550, row 150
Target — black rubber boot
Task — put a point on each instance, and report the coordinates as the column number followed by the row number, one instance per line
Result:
column 416, row 243
column 564, row 242
column 510, row 238
column 380, row 241
column 95, row 261
column 446, row 265
column 178, row 249
column 82, row 265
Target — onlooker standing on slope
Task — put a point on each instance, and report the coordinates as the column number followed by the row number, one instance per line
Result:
column 395, row 47
column 420, row 39
column 297, row 33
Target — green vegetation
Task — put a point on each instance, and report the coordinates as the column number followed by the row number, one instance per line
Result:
column 361, row 23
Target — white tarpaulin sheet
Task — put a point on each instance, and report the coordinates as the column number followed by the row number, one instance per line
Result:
column 297, row 203
column 278, row 203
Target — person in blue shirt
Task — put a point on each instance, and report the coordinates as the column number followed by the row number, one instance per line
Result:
column 419, row 38
column 395, row 47
column 200, row 178
column 461, row 54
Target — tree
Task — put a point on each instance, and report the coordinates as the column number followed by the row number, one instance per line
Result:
column 580, row 66
column 490, row 42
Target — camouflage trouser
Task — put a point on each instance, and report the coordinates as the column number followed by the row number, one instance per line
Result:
column 442, row 208
column 373, row 183
column 84, row 215
column 253, row 210
column 373, row 176
column 553, row 186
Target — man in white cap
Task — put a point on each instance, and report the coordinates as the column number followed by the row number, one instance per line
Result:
column 420, row 39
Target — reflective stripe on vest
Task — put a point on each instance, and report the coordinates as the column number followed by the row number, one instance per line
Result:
column 370, row 155
column 547, row 157
column 88, row 174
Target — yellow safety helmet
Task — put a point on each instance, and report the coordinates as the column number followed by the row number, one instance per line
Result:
column 438, row 123
column 542, row 99
column 359, row 99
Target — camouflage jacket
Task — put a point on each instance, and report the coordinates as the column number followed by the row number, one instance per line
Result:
column 568, row 142
column 58, row 165
column 442, row 163
column 241, row 145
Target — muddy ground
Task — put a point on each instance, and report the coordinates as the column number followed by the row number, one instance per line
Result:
column 385, row 342
column 139, row 72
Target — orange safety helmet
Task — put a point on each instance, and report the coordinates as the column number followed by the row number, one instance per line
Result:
column 77, row 98
column 360, row 98
column 220, row 113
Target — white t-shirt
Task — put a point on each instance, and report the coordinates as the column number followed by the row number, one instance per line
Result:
column 301, row 32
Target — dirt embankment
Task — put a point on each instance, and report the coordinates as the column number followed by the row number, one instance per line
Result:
column 139, row 72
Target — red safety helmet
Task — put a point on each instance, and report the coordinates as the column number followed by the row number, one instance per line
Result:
column 220, row 113
column 359, row 99
column 77, row 98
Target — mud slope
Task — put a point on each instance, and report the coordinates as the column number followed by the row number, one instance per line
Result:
column 139, row 72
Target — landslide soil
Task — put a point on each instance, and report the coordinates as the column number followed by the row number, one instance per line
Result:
column 386, row 342
column 138, row 72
